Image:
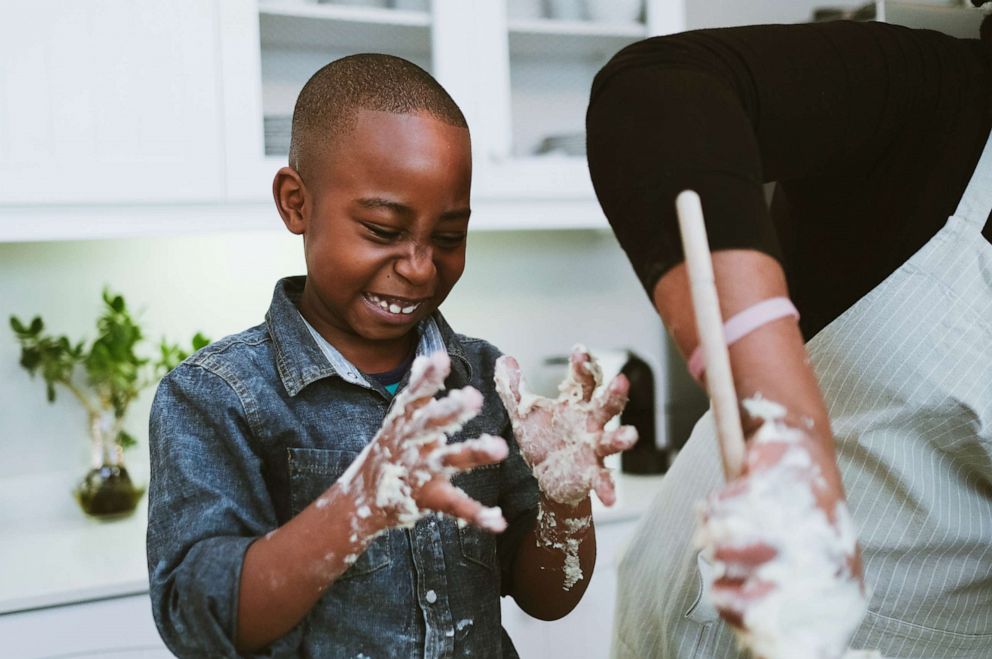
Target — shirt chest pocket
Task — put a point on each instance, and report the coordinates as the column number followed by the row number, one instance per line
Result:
column 482, row 484
column 311, row 472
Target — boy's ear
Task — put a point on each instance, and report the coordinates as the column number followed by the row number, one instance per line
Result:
column 290, row 195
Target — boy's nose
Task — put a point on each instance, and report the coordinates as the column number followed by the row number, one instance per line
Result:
column 417, row 265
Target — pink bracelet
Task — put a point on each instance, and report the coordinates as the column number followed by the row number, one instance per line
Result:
column 742, row 324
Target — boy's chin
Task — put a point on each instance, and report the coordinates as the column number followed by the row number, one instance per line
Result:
column 391, row 330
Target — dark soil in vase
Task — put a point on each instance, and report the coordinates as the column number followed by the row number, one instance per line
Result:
column 108, row 492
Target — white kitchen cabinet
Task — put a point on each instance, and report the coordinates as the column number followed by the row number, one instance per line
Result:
column 109, row 101
column 121, row 627
column 517, row 80
column 270, row 48
column 957, row 19
column 125, row 118
column 74, row 586
column 140, row 117
column 534, row 143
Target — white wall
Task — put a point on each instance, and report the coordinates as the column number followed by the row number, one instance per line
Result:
column 531, row 293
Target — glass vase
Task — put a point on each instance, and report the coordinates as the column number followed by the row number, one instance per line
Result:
column 107, row 490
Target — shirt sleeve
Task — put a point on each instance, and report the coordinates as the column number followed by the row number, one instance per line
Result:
column 723, row 111
column 207, row 502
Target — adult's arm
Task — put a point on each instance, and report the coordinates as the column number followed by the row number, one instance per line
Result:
column 809, row 106
column 723, row 111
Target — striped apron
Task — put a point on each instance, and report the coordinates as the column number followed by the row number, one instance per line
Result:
column 907, row 376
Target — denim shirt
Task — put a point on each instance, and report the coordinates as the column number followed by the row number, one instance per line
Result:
column 249, row 431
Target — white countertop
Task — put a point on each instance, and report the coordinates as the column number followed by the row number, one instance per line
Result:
column 53, row 554
column 634, row 495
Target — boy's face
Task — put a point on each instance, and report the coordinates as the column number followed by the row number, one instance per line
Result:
column 384, row 221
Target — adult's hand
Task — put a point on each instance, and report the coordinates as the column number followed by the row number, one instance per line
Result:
column 791, row 481
column 787, row 572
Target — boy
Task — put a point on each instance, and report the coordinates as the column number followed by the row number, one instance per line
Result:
column 293, row 497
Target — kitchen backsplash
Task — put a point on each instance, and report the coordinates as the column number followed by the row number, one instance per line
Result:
column 530, row 293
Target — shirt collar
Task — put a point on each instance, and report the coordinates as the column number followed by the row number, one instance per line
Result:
column 303, row 356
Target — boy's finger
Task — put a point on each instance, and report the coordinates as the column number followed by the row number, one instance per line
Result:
column 605, row 488
column 507, row 379
column 584, row 371
column 427, row 376
column 610, row 401
column 616, row 441
column 446, row 414
column 486, row 449
column 446, row 498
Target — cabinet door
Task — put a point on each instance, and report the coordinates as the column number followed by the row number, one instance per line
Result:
column 522, row 70
column 249, row 172
column 121, row 627
column 270, row 48
column 109, row 101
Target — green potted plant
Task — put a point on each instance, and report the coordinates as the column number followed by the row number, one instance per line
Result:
column 105, row 377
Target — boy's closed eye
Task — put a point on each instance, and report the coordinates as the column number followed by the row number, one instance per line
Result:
column 450, row 239
column 385, row 234
column 382, row 233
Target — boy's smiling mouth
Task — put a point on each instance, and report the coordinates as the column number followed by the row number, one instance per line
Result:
column 396, row 305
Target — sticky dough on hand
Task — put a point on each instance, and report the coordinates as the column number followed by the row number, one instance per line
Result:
column 815, row 603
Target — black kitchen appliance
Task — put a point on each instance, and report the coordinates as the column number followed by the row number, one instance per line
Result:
column 645, row 457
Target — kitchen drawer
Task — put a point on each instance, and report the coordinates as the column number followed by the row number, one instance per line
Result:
column 121, row 627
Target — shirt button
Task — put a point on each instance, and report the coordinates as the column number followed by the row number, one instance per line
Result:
column 431, row 597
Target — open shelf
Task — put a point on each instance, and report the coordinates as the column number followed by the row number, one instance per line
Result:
column 301, row 25
column 572, row 38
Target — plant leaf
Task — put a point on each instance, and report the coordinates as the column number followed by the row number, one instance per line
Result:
column 30, row 359
column 200, row 341
column 126, row 440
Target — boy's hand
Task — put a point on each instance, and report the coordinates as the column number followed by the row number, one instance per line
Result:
column 407, row 468
column 562, row 439
column 787, row 571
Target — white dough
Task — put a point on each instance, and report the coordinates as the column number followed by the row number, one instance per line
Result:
column 815, row 605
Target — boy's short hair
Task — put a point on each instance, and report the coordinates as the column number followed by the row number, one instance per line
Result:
column 329, row 103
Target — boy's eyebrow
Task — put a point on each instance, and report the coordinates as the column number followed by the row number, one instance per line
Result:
column 457, row 214
column 403, row 209
column 379, row 202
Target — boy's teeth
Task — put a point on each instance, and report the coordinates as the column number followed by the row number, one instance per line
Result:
column 392, row 307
